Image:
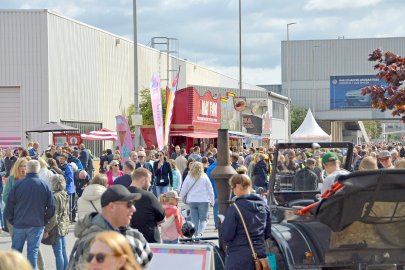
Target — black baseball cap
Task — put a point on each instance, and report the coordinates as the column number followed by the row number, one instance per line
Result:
column 118, row 193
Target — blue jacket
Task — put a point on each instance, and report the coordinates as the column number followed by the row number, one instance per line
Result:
column 69, row 176
column 260, row 174
column 209, row 171
column 30, row 202
column 84, row 158
column 256, row 214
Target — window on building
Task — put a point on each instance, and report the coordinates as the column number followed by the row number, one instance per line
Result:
column 278, row 110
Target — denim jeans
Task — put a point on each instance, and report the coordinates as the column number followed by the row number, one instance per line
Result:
column 199, row 215
column 161, row 190
column 59, row 249
column 171, row 241
column 216, row 213
column 1, row 212
column 72, row 207
column 33, row 236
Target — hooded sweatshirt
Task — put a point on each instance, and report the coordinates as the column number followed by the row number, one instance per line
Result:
column 91, row 193
column 256, row 214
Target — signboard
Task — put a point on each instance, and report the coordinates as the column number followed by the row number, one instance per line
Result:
column 253, row 124
column 230, row 118
column 73, row 139
column 168, row 256
column 345, row 91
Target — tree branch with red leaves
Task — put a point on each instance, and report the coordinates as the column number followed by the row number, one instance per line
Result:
column 391, row 68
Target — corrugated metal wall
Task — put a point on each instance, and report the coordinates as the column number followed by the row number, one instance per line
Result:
column 23, row 63
column 314, row 61
column 68, row 70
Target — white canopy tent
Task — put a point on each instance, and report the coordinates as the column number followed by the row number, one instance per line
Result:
column 310, row 131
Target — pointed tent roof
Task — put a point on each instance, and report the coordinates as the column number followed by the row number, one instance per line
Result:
column 310, row 131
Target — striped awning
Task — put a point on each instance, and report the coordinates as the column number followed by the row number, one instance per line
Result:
column 103, row 134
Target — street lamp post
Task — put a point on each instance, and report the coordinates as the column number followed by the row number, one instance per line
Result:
column 289, row 80
column 313, row 80
column 137, row 137
column 240, row 60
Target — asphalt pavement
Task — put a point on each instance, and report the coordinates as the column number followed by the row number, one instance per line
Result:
column 5, row 242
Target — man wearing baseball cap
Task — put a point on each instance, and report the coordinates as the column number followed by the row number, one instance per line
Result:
column 118, row 206
column 331, row 165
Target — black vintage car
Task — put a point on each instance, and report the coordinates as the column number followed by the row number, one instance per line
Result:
column 361, row 226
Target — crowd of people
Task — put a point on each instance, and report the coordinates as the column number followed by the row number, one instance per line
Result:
column 136, row 202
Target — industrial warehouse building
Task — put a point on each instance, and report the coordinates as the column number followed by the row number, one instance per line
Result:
column 327, row 75
column 53, row 68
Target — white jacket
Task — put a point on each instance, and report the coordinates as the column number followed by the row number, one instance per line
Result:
column 90, row 193
column 202, row 191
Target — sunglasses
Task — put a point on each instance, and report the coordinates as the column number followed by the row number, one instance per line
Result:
column 160, row 155
column 129, row 204
column 115, row 165
column 100, row 257
column 140, row 156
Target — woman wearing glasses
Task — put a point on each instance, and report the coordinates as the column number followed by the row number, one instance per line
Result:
column 163, row 174
column 113, row 172
column 111, row 251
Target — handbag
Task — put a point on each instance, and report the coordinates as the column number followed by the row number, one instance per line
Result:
column 52, row 235
column 260, row 263
column 185, row 195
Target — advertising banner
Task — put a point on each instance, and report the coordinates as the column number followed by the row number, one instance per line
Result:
column 124, row 138
column 253, row 124
column 345, row 91
column 171, row 94
column 155, row 95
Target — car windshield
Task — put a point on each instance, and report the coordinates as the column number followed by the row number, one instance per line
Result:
column 297, row 172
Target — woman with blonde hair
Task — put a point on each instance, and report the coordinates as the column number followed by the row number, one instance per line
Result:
column 110, row 251
column 256, row 215
column 11, row 260
column 113, row 172
column 18, row 172
column 199, row 195
column 90, row 202
column 44, row 172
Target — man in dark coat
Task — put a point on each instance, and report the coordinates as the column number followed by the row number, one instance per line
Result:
column 84, row 157
column 9, row 161
column 149, row 213
column 30, row 205
column 126, row 179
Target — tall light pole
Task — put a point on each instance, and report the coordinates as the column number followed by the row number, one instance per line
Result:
column 313, row 80
column 289, row 80
column 240, row 60
column 137, row 138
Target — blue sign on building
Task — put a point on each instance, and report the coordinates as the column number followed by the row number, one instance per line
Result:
column 345, row 91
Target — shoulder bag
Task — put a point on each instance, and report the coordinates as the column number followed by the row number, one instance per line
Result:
column 260, row 264
column 185, row 196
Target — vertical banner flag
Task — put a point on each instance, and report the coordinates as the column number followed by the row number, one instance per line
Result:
column 171, row 94
column 124, row 137
column 156, row 97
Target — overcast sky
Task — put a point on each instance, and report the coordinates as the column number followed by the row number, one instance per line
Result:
column 207, row 30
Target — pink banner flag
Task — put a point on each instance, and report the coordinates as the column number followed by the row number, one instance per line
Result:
column 171, row 94
column 156, row 97
column 123, row 138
